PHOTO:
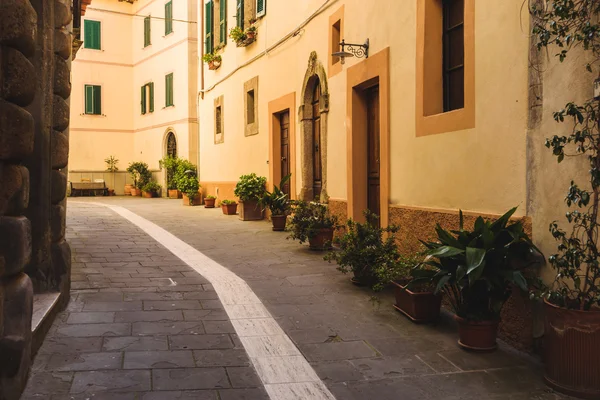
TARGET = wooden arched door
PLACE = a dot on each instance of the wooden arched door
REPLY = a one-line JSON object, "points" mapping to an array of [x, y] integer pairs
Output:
{"points": [[316, 150], [171, 145]]}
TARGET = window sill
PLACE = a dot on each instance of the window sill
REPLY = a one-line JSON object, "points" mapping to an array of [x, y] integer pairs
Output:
{"points": [[166, 35], [145, 47], [450, 121], [170, 106], [92, 115], [94, 50]]}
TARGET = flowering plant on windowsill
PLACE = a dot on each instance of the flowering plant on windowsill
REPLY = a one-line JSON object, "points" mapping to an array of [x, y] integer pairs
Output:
{"points": [[212, 59], [243, 38]]}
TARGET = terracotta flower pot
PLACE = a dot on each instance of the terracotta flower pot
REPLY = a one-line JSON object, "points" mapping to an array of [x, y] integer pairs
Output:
{"points": [[229, 209], [279, 222], [477, 335], [213, 65], [209, 203], [250, 211], [174, 194], [572, 351], [321, 240], [128, 188], [195, 202], [147, 195], [136, 192], [111, 192], [418, 306]]}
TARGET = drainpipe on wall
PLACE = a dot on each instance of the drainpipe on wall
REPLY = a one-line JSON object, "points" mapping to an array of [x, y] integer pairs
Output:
{"points": [[200, 95]]}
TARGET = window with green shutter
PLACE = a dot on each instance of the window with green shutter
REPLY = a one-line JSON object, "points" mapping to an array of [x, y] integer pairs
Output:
{"points": [[91, 34], [169, 90], [261, 8], [143, 100], [147, 41], [223, 22], [151, 90], [239, 16], [147, 98], [169, 17], [208, 16], [93, 100]]}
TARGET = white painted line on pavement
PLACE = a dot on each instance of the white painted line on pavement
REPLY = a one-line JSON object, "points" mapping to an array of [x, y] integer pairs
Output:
{"points": [[285, 373]]}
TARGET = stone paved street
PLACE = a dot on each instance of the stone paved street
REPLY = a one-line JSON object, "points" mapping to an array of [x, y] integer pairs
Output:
{"points": [[142, 324]]}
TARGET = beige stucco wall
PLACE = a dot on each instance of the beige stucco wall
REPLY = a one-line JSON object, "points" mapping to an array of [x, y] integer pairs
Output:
{"points": [[481, 169], [122, 67]]}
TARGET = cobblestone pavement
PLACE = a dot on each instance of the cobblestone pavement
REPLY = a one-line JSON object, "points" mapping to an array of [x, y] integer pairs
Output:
{"points": [[131, 332]]}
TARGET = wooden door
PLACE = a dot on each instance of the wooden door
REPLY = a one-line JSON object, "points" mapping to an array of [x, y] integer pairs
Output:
{"points": [[373, 151], [317, 166], [284, 121]]}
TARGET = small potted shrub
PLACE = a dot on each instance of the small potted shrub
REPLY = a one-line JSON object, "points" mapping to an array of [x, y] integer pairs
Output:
{"points": [[213, 60], [312, 222], [140, 174], [170, 165], [364, 252], [249, 190], [251, 34], [111, 166], [238, 36], [150, 189], [278, 203], [418, 301], [209, 201], [229, 207], [477, 271], [189, 186]]}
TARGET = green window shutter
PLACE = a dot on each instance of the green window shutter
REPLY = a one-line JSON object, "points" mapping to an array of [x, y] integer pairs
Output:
{"points": [[89, 99], [261, 8], [168, 17], [151, 87], [223, 22], [239, 16], [169, 90], [97, 100], [147, 32], [91, 34], [208, 17], [143, 99]]}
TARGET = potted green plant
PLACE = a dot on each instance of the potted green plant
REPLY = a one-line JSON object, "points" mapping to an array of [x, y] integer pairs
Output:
{"points": [[572, 302], [238, 35], [477, 270], [229, 207], [188, 185], [150, 189], [365, 252], [170, 165], [209, 201], [140, 174], [213, 60], [249, 190], [278, 203], [312, 222], [111, 166], [251, 34], [418, 301]]}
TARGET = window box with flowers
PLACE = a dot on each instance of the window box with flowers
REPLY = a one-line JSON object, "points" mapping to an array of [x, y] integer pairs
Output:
{"points": [[244, 37], [213, 60]]}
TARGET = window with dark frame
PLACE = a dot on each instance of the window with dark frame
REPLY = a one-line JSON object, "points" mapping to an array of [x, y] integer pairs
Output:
{"points": [[93, 99], [336, 37], [169, 17], [147, 31], [250, 117], [454, 54], [218, 118]]}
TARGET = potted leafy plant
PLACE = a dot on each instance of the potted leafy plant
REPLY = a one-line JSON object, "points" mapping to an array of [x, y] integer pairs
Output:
{"points": [[312, 222], [170, 165], [238, 36], [251, 34], [418, 301], [249, 190], [229, 207], [278, 203], [140, 174], [477, 270], [572, 303], [365, 252], [209, 201], [111, 166], [188, 185], [213, 60], [150, 189]]}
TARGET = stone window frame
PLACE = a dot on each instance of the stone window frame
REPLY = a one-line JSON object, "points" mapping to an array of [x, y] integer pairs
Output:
{"points": [[219, 41], [430, 116], [219, 102], [334, 67], [251, 129]]}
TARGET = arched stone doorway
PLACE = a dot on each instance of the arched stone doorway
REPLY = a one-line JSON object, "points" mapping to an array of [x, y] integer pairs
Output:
{"points": [[171, 145], [313, 114]]}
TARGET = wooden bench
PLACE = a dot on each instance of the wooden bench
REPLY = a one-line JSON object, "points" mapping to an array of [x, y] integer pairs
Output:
{"points": [[96, 188]]}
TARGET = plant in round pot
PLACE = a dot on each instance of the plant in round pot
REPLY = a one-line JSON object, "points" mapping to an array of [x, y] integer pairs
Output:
{"points": [[229, 207], [238, 35], [249, 190], [170, 165], [151, 189], [140, 174], [364, 252], [416, 300], [476, 270], [213, 60], [189, 186], [209, 201], [572, 303], [278, 203], [312, 222]]}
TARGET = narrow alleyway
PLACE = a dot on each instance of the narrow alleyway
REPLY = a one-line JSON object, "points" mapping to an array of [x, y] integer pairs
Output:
{"points": [[145, 324]]}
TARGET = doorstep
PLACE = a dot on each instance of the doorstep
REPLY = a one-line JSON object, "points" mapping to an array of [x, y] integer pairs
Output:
{"points": [[45, 308]]}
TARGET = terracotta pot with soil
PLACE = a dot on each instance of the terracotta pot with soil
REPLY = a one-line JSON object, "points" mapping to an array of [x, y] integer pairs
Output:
{"points": [[478, 336], [321, 240], [195, 202], [229, 209], [147, 195], [174, 194], [572, 351], [209, 202], [128, 188], [279, 222], [419, 305], [250, 211], [136, 192], [111, 192]]}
